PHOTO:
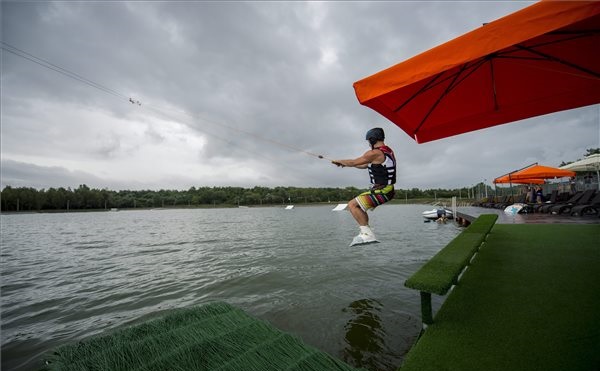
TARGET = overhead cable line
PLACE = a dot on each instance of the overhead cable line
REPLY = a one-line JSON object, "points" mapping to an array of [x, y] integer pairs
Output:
{"points": [[44, 63]]}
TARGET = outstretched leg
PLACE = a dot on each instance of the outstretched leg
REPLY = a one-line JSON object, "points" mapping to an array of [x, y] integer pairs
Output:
{"points": [[366, 234], [358, 213]]}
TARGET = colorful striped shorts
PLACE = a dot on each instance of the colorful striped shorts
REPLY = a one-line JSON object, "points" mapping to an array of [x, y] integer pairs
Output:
{"points": [[373, 198]]}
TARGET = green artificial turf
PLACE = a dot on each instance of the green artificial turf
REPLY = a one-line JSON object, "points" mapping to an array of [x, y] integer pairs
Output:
{"points": [[529, 301], [442, 270], [216, 336], [483, 224]]}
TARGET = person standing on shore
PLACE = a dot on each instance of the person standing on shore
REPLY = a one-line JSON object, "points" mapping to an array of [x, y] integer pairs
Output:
{"points": [[381, 163], [539, 195]]}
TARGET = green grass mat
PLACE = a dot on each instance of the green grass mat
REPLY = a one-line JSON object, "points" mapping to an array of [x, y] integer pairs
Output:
{"points": [[441, 271], [216, 336], [530, 301]]}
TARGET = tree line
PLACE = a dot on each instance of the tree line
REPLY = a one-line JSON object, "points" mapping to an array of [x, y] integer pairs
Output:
{"points": [[84, 197]]}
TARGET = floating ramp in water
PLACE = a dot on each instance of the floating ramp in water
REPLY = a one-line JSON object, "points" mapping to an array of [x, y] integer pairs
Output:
{"points": [[213, 336], [289, 207], [340, 207]]}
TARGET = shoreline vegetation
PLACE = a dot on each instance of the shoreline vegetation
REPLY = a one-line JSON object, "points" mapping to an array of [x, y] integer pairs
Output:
{"points": [[83, 198], [419, 201]]}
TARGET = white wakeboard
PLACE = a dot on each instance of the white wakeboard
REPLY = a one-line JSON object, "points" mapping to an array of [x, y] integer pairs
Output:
{"points": [[340, 207], [359, 241]]}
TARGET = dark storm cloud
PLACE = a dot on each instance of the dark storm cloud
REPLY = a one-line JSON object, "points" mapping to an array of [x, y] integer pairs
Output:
{"points": [[243, 85]]}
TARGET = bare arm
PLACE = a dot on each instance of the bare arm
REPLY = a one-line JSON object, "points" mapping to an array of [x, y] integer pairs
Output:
{"points": [[372, 156]]}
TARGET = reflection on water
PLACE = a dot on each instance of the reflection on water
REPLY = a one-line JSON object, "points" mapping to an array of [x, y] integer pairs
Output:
{"points": [[366, 338]]}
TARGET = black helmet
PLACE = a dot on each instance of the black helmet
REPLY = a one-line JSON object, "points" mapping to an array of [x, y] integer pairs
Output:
{"points": [[375, 135]]}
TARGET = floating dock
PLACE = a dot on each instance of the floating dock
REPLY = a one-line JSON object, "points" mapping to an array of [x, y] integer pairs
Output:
{"points": [[215, 336]]}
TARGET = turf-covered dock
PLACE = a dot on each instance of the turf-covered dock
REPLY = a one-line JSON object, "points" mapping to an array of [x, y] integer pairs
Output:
{"points": [[529, 301], [216, 336]]}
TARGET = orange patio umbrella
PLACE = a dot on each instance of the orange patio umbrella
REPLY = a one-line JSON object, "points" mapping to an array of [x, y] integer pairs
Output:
{"points": [[507, 179], [541, 59], [536, 172]]}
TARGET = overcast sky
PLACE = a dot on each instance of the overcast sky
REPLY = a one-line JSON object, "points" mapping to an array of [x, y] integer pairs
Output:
{"points": [[240, 94]]}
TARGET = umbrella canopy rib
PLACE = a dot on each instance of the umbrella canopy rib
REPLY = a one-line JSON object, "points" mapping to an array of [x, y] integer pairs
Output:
{"points": [[559, 60], [425, 87], [493, 84], [439, 99]]}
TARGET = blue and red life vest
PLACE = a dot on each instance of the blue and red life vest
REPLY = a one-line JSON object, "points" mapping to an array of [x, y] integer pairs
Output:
{"points": [[384, 173]]}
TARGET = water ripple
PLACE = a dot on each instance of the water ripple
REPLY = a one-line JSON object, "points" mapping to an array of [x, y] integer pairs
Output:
{"points": [[69, 276]]}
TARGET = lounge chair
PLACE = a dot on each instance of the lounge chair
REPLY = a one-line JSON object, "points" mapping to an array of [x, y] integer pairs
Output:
{"points": [[493, 201], [551, 200], [508, 200], [481, 202], [527, 207], [563, 197], [574, 198], [592, 208], [585, 198]]}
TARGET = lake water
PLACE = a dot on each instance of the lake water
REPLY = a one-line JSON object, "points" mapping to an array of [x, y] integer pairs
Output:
{"points": [[69, 276]]}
